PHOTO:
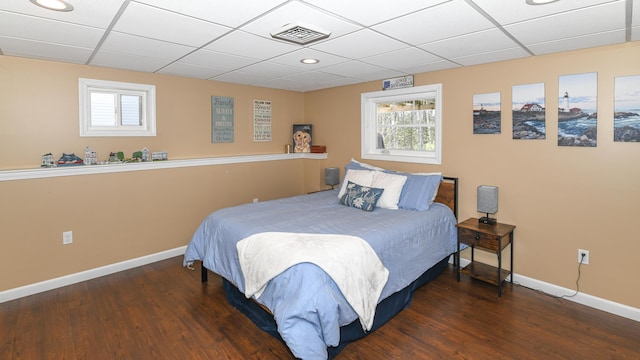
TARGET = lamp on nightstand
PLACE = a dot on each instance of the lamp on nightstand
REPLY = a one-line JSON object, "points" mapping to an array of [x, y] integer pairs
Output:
{"points": [[487, 203], [332, 176]]}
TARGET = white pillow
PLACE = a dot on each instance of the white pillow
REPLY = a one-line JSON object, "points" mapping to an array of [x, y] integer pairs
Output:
{"points": [[392, 185], [360, 177]]}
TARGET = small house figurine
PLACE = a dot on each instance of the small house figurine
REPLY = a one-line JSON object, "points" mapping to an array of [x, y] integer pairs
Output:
{"points": [[48, 161], [145, 154], [90, 156]]}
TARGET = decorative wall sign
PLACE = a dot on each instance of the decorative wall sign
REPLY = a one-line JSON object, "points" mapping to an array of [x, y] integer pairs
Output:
{"points": [[486, 113], [222, 119], [577, 110], [398, 83], [528, 111], [626, 117], [261, 120]]}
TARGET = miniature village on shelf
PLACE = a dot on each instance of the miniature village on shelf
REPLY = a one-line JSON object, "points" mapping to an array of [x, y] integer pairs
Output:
{"points": [[91, 158]]}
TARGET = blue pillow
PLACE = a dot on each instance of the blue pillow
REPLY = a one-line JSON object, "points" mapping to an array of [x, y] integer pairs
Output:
{"points": [[361, 197], [419, 191]]}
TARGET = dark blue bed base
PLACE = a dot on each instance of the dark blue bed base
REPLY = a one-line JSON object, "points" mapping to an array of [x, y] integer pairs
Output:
{"points": [[385, 310]]}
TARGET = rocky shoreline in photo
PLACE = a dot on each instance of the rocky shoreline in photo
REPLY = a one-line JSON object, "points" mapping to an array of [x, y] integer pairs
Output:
{"points": [[626, 134], [587, 139], [522, 130], [486, 122]]}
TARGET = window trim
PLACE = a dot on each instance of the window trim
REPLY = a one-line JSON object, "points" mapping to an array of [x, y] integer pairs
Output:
{"points": [[148, 92], [368, 111]]}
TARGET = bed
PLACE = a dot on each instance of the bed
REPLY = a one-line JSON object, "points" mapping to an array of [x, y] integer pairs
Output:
{"points": [[302, 284]]}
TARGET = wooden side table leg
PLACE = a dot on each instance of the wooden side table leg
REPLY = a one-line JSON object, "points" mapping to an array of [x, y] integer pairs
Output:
{"points": [[457, 262], [511, 266], [499, 267]]}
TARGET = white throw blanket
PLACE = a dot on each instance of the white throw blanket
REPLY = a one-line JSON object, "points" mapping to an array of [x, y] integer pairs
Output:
{"points": [[348, 260]]}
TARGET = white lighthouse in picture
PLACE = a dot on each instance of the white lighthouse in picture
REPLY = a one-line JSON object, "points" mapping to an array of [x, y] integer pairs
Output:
{"points": [[566, 101]]}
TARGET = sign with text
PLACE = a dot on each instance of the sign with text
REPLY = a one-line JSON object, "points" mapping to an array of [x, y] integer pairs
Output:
{"points": [[221, 119], [261, 120], [398, 83]]}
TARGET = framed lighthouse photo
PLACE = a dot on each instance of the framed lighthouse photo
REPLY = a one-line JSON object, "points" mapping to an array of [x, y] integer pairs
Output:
{"points": [[577, 110]]}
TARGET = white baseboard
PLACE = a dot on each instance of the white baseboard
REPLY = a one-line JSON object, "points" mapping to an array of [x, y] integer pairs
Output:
{"points": [[580, 298], [31, 289]]}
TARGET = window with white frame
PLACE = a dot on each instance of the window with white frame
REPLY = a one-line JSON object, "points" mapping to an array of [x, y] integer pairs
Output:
{"points": [[111, 108], [403, 124]]}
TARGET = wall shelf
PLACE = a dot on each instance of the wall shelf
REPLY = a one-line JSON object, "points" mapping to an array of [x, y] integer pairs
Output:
{"points": [[39, 173]]}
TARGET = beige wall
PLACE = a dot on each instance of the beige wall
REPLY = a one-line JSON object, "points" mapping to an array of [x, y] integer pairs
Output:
{"points": [[560, 198], [121, 216]]}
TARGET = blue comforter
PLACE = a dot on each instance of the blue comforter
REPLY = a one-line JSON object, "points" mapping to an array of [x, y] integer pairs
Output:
{"points": [[307, 305]]}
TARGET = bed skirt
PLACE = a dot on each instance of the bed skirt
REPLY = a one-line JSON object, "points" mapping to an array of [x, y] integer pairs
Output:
{"points": [[385, 310]]}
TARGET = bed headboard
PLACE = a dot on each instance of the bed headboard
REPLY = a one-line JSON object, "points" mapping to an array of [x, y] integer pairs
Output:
{"points": [[448, 193]]}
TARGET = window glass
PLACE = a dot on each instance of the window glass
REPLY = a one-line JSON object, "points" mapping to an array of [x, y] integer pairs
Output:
{"points": [[403, 125], [110, 108]]}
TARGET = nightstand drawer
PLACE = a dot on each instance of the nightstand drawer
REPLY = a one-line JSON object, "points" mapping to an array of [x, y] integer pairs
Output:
{"points": [[474, 238]]}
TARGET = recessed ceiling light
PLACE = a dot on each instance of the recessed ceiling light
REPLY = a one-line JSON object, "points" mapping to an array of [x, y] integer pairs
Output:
{"points": [[57, 5], [309, 61], [540, 2]]}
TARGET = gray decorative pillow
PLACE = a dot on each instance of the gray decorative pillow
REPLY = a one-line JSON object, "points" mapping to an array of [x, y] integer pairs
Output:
{"points": [[361, 197]]}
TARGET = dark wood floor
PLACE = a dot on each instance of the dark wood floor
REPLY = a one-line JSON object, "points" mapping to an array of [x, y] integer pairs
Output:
{"points": [[162, 311]]}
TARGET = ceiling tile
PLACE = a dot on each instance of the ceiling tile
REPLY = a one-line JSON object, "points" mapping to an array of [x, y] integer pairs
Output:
{"points": [[435, 23], [86, 12], [373, 11], [578, 42], [58, 32], [249, 45], [359, 44], [42, 50], [240, 77], [189, 70], [230, 13], [351, 68], [136, 45], [432, 66], [270, 69], [401, 58], [508, 11], [127, 61], [610, 16], [380, 75], [492, 56], [216, 59], [151, 22], [469, 44]]}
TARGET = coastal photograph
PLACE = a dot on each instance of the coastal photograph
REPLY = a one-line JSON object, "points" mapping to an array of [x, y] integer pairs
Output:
{"points": [[486, 113], [528, 111], [626, 118], [577, 110]]}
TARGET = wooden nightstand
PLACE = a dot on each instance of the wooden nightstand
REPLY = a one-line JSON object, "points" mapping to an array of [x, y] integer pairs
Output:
{"points": [[493, 238]]}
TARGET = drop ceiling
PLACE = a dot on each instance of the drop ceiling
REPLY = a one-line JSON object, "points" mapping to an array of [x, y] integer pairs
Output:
{"points": [[230, 41]]}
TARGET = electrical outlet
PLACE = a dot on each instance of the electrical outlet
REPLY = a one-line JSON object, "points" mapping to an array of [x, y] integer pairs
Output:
{"points": [[255, 200], [67, 237], [583, 256]]}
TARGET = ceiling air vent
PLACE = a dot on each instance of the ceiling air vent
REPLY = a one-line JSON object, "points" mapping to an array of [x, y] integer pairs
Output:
{"points": [[300, 34]]}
